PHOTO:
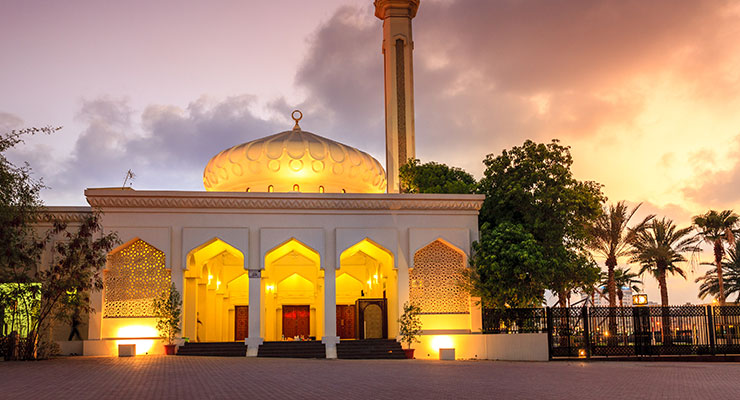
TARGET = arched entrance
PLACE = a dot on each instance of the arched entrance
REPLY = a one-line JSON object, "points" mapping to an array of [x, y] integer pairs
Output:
{"points": [[293, 286], [216, 298], [366, 293]]}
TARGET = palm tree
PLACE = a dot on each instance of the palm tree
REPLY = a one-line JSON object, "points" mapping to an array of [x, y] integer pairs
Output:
{"points": [[610, 238], [623, 277], [731, 271], [658, 247], [716, 227]]}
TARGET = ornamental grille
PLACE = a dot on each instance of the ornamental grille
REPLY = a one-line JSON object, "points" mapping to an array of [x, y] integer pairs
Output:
{"points": [[135, 276], [435, 280]]}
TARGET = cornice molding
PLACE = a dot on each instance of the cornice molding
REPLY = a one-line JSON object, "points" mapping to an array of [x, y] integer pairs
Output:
{"points": [[106, 198], [65, 214]]}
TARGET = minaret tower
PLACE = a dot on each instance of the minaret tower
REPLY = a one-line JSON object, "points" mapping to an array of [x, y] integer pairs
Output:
{"points": [[398, 46]]}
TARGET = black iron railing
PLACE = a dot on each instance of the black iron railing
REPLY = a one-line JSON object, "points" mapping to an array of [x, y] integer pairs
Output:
{"points": [[625, 331], [514, 320]]}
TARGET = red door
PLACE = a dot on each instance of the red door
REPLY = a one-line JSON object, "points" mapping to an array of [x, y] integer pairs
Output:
{"points": [[296, 321], [346, 321], [241, 323]]}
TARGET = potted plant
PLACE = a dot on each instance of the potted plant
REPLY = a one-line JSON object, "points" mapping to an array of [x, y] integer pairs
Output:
{"points": [[409, 327], [168, 310]]}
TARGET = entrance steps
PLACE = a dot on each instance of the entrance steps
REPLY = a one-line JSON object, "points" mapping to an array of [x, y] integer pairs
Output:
{"points": [[289, 349], [370, 349], [216, 349]]}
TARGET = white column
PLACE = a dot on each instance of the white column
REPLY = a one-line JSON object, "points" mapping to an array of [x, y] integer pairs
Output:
{"points": [[330, 338], [329, 263], [255, 291]]}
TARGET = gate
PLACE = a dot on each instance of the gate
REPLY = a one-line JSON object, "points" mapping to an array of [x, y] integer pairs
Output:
{"points": [[643, 331]]}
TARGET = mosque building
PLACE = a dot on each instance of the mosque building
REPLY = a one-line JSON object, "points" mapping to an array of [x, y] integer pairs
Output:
{"points": [[296, 236]]}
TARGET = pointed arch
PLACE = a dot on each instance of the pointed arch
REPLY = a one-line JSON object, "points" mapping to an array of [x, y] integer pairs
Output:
{"points": [[435, 282], [135, 274]]}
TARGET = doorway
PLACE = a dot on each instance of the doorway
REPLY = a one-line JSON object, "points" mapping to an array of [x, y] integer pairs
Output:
{"points": [[241, 323], [346, 321], [296, 321]]}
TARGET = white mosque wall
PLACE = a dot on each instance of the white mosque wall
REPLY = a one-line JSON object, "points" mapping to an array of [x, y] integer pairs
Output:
{"points": [[255, 223]]}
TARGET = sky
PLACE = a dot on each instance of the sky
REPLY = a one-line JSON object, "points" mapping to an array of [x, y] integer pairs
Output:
{"points": [[645, 93]]}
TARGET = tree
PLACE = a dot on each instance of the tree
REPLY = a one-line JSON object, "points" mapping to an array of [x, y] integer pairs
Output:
{"points": [[623, 277], [78, 255], [433, 177], [716, 228], [658, 247], [168, 310], [610, 237], [731, 271], [508, 268], [78, 258], [409, 324], [532, 186]]}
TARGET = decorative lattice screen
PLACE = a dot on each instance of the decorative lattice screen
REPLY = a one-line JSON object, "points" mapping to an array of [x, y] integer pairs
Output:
{"points": [[135, 276], [434, 281]]}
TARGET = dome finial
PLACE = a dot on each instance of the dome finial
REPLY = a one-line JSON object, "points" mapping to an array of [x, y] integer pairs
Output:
{"points": [[296, 119]]}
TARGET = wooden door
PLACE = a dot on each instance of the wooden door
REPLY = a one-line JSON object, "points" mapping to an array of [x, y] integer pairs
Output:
{"points": [[346, 321], [241, 323], [296, 321]]}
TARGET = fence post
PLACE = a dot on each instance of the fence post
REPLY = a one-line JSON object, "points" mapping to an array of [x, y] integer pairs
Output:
{"points": [[711, 330], [548, 326], [586, 331]]}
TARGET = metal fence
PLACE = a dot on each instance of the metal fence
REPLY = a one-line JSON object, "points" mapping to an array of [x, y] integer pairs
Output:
{"points": [[515, 320], [625, 331]]}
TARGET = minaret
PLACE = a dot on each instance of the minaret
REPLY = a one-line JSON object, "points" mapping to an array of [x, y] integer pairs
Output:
{"points": [[398, 46]]}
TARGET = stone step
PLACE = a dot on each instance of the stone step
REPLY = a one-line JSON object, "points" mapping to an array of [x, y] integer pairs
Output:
{"points": [[370, 349], [290, 349]]}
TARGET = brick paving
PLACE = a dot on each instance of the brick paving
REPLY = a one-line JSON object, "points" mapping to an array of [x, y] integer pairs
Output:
{"points": [[161, 377]]}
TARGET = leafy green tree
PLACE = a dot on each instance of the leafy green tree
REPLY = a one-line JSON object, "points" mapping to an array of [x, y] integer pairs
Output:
{"points": [[168, 310], [78, 254], [433, 177], [659, 248], [508, 268], [409, 324], [610, 237], [716, 228], [731, 271], [532, 186]]}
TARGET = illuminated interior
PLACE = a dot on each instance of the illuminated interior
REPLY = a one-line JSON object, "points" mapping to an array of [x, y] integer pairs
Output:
{"points": [[215, 284], [293, 282], [294, 161], [366, 271]]}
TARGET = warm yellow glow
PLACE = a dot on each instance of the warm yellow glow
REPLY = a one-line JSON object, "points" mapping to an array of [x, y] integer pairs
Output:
{"points": [[137, 331], [639, 299], [295, 161], [140, 335], [581, 353], [270, 288], [606, 333], [218, 284], [442, 342], [210, 278]]}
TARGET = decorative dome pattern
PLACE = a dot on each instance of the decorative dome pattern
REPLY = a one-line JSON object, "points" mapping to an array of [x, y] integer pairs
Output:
{"points": [[294, 161]]}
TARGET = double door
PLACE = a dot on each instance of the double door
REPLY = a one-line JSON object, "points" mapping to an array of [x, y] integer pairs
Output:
{"points": [[296, 321]]}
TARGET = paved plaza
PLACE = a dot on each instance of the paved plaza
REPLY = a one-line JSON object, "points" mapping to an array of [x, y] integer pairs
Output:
{"points": [[155, 377]]}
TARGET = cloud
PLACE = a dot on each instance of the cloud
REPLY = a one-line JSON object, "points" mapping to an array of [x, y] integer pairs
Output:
{"points": [[167, 147], [9, 121]]}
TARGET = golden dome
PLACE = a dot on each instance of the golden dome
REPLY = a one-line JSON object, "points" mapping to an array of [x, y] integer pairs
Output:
{"points": [[294, 161]]}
